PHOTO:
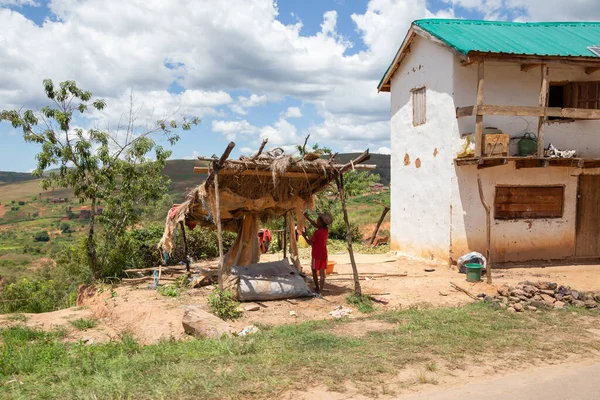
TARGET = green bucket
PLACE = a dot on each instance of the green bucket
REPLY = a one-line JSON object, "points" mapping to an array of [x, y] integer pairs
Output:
{"points": [[473, 272]]}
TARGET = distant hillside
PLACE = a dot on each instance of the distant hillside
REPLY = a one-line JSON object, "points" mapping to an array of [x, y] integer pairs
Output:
{"points": [[13, 177], [381, 160]]}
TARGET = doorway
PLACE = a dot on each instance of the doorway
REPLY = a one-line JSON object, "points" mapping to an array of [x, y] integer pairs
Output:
{"points": [[587, 239]]}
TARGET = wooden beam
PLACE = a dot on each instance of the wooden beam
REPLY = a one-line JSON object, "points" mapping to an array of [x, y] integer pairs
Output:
{"points": [[353, 164], [528, 111], [591, 70], [527, 67], [474, 56], [386, 209], [340, 185], [479, 117], [488, 230], [262, 146], [256, 172], [542, 103], [217, 167]]}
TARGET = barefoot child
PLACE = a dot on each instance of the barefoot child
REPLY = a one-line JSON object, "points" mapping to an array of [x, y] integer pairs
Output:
{"points": [[318, 241]]}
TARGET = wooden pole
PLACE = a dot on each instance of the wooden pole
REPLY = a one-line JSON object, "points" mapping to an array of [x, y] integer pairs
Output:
{"points": [[284, 236], [479, 117], [542, 104], [185, 247], [488, 227], [383, 214], [217, 166], [262, 146], [339, 180]]}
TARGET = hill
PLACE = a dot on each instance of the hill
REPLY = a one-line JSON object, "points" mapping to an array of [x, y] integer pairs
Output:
{"points": [[13, 177], [381, 160]]}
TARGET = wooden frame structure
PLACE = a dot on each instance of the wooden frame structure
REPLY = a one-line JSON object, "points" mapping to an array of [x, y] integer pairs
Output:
{"points": [[260, 186], [542, 111]]}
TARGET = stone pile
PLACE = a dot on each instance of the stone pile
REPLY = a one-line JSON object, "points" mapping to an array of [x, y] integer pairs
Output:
{"points": [[533, 296]]}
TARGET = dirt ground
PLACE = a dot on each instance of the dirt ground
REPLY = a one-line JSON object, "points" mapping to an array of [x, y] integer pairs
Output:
{"points": [[151, 317], [2, 210]]}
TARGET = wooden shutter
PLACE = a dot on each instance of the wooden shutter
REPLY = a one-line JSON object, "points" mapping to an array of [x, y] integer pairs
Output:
{"points": [[528, 202], [586, 95], [419, 102]]}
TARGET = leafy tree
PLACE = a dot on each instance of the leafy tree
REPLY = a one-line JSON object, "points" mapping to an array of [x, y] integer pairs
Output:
{"points": [[122, 170], [41, 236], [314, 149], [65, 227]]}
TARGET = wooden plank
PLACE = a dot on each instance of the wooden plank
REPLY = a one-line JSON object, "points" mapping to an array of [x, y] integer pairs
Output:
{"points": [[254, 172], [515, 202], [588, 217], [591, 70], [527, 67], [479, 117], [528, 111], [465, 111], [542, 103], [475, 56]]}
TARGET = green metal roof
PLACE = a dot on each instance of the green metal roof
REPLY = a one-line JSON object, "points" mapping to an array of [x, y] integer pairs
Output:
{"points": [[555, 39], [563, 39]]}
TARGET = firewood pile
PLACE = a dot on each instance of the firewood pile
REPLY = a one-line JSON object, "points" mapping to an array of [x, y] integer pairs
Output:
{"points": [[533, 296]]}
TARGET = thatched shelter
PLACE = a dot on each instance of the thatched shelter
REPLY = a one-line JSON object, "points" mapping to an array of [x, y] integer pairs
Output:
{"points": [[237, 194]]}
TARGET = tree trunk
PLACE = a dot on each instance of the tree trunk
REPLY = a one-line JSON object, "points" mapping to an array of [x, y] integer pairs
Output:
{"points": [[96, 273], [339, 180]]}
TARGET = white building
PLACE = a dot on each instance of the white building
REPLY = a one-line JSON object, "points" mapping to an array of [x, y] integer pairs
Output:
{"points": [[451, 78]]}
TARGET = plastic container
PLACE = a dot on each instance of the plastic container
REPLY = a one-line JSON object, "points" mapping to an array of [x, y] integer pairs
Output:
{"points": [[527, 144], [329, 270], [473, 272]]}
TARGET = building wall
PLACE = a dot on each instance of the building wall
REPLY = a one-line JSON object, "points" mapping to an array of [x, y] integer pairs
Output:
{"points": [[422, 156], [517, 240]]}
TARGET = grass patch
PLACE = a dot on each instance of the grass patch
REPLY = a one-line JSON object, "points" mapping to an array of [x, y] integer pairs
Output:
{"points": [[364, 304], [258, 366], [223, 304], [18, 317], [83, 324], [169, 291]]}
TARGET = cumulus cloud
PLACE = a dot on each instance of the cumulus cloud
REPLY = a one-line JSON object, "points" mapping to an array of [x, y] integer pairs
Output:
{"points": [[293, 112], [384, 150], [230, 129], [533, 10], [247, 102]]}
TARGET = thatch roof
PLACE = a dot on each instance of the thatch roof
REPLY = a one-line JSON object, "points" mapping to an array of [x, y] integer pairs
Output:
{"points": [[266, 184]]}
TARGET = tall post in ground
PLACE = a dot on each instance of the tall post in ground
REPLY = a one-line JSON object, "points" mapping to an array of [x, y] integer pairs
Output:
{"points": [[339, 180], [217, 166], [488, 227]]}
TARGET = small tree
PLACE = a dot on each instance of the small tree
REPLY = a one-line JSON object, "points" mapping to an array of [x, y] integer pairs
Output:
{"points": [[122, 169], [41, 236]]}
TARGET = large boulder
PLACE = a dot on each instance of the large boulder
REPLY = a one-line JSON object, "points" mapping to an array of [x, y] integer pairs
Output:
{"points": [[204, 325]]}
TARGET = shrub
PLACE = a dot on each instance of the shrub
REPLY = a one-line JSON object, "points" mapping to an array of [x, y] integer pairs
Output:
{"points": [[21, 203], [169, 291], [65, 227], [337, 230], [223, 304], [36, 296], [41, 236]]}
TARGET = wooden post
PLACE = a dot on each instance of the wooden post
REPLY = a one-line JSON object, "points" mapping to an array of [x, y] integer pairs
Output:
{"points": [[339, 180], [479, 117], [294, 244], [185, 247], [385, 211], [488, 227], [284, 236], [542, 103], [217, 165], [262, 146]]}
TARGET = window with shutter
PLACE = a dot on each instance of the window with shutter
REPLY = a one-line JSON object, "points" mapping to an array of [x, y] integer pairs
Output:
{"points": [[419, 103], [587, 95], [528, 202]]}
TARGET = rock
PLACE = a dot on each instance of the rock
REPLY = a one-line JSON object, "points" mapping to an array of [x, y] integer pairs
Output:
{"points": [[204, 325], [532, 308], [575, 295], [252, 307], [518, 307], [530, 291], [558, 296], [503, 291], [597, 297], [588, 297], [514, 299], [481, 295], [523, 298], [510, 309], [567, 298], [547, 299], [248, 330], [546, 285], [590, 304], [537, 297], [548, 292], [293, 313], [495, 306], [538, 304], [517, 292], [502, 305], [488, 299], [578, 303], [559, 305]]}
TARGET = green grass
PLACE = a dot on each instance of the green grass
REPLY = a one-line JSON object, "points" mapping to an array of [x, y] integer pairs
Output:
{"points": [[364, 304], [259, 366], [83, 324]]}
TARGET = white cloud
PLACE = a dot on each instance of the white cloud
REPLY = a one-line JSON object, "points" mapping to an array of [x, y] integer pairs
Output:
{"points": [[230, 129], [533, 10], [384, 150], [19, 3], [12, 132], [293, 112], [246, 151]]}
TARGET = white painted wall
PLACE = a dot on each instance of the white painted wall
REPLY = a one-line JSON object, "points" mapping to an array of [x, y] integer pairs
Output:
{"points": [[436, 211], [421, 195]]}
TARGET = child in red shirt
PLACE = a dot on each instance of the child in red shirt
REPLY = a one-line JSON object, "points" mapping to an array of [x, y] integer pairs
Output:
{"points": [[318, 241]]}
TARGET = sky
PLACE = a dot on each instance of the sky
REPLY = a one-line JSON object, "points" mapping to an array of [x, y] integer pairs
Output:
{"points": [[250, 69]]}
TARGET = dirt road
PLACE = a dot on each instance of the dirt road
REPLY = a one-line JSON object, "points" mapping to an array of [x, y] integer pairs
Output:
{"points": [[561, 382]]}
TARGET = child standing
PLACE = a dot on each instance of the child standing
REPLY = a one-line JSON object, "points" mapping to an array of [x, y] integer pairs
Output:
{"points": [[318, 241]]}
